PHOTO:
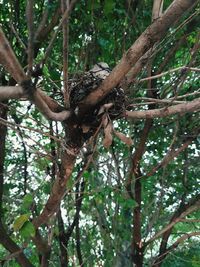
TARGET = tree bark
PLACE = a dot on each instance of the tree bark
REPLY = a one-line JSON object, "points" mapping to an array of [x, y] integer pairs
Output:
{"points": [[164, 112], [137, 246], [148, 38], [5, 239], [58, 190]]}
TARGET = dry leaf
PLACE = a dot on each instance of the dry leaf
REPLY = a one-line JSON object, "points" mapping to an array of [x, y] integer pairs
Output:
{"points": [[105, 121], [108, 135], [108, 106], [104, 108], [85, 128], [101, 110], [127, 140]]}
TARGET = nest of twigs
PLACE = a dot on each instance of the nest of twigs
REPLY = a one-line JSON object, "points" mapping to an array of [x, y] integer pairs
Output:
{"points": [[99, 116], [82, 85]]}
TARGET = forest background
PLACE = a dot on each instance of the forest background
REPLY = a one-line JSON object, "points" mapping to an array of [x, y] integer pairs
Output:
{"points": [[122, 193]]}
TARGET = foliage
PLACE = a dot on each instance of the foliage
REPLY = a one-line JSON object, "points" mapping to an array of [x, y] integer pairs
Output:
{"points": [[103, 232]]}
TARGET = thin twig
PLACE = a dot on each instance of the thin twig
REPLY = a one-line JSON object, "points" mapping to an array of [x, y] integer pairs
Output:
{"points": [[18, 37], [65, 26], [30, 24], [65, 16], [169, 71]]}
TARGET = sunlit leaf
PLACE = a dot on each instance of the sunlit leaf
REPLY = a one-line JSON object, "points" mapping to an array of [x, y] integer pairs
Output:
{"points": [[27, 201], [20, 221], [27, 230]]}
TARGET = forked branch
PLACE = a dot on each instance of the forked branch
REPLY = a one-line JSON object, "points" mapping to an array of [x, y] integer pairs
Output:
{"points": [[11, 63], [147, 39]]}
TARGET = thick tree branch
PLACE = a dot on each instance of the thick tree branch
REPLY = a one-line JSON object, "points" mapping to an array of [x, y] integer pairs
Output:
{"points": [[11, 92], [132, 74], [58, 190], [17, 92], [43, 102], [164, 112], [47, 112], [10, 62], [148, 38]]}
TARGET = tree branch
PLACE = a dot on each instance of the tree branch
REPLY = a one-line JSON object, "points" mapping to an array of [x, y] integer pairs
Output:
{"points": [[58, 189], [11, 246], [157, 9], [5, 239], [43, 31], [159, 259], [9, 60], [173, 153], [147, 39], [65, 28], [11, 92], [169, 71], [30, 24], [192, 206], [11, 63], [64, 17], [164, 112]]}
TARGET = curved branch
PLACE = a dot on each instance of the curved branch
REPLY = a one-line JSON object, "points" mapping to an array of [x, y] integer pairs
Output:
{"points": [[58, 190], [9, 60], [147, 39], [64, 17], [164, 112], [183, 68], [47, 112], [183, 238], [43, 30], [11, 246], [11, 63], [44, 103], [171, 154], [11, 92], [159, 259], [5, 239], [192, 206]]}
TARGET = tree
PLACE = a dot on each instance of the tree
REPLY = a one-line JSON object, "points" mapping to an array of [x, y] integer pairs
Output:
{"points": [[99, 176]]}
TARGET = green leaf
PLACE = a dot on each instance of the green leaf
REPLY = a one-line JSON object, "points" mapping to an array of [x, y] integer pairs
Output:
{"points": [[131, 203], [27, 230], [86, 174], [109, 6], [55, 75], [46, 188], [46, 71], [20, 221], [93, 4], [27, 201]]}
